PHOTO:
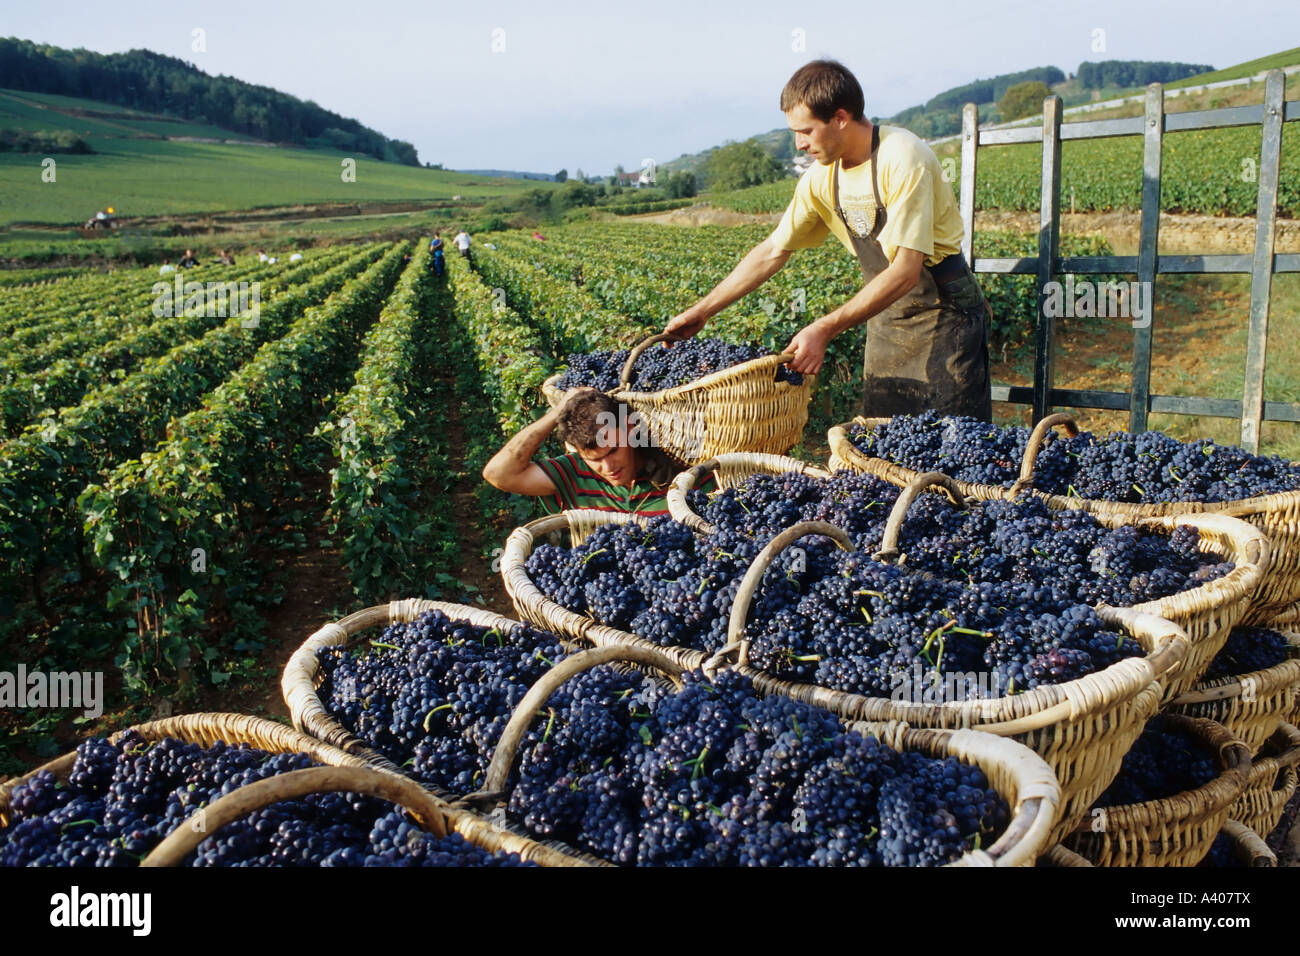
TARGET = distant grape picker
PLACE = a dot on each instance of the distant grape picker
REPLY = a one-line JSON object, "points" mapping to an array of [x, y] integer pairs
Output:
{"points": [[881, 191], [616, 468]]}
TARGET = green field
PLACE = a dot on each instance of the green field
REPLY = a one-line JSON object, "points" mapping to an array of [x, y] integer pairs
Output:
{"points": [[139, 173]]}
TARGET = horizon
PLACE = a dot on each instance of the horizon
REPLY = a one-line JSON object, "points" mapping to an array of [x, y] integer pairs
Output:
{"points": [[556, 66]]}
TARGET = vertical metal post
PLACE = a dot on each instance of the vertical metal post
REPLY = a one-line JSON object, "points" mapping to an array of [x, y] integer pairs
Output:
{"points": [[1049, 246], [970, 140], [1152, 141], [1261, 271]]}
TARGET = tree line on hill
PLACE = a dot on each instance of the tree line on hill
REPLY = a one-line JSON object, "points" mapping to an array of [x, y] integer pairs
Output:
{"points": [[941, 114], [143, 80]]}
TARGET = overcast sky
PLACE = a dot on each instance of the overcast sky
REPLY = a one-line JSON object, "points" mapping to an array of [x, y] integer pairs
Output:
{"points": [[544, 86]]}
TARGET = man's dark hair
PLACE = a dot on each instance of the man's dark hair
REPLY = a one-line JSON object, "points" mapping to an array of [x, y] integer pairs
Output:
{"points": [[584, 416], [824, 86]]}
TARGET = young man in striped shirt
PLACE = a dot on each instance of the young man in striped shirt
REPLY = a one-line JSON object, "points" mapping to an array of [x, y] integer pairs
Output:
{"points": [[615, 469]]}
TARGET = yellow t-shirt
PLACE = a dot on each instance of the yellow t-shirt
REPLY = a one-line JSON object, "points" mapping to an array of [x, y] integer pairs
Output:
{"points": [[923, 213]]}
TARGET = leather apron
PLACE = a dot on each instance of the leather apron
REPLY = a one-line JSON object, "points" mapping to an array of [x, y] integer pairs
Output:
{"points": [[929, 349]]}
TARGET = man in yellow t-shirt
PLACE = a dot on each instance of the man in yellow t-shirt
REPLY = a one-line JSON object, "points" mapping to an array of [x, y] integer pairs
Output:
{"points": [[881, 192]]}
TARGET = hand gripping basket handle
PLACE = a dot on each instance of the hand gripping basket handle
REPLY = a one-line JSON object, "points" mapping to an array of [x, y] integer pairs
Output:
{"points": [[626, 375], [754, 576], [1035, 443], [289, 786], [507, 748], [889, 544]]}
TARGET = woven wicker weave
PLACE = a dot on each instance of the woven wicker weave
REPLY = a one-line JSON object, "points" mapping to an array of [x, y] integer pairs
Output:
{"points": [[1019, 776], [1178, 830], [208, 728], [1060, 856], [1082, 728], [1251, 705], [742, 408], [1276, 515], [1272, 782]]}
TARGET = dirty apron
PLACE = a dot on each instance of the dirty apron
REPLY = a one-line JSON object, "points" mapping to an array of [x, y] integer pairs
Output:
{"points": [[929, 349]]}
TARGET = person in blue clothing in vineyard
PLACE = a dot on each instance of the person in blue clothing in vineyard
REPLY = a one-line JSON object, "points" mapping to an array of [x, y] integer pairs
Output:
{"points": [[881, 191], [436, 247]]}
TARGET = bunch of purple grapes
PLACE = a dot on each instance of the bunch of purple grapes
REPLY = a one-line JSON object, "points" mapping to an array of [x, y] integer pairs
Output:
{"points": [[433, 695], [661, 368], [122, 799], [1149, 467], [713, 775]]}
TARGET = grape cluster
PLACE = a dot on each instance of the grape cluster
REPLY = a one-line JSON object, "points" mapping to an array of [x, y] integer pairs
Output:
{"points": [[714, 775], [1148, 467], [999, 591], [121, 799], [434, 694], [661, 368], [339, 830], [1164, 761], [1248, 649]]}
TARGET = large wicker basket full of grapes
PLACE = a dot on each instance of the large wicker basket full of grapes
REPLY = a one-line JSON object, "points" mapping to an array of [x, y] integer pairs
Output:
{"points": [[1081, 727], [1272, 782], [302, 677], [1177, 829], [729, 777], [1206, 612], [753, 406], [103, 803], [1229, 480], [1251, 687]]}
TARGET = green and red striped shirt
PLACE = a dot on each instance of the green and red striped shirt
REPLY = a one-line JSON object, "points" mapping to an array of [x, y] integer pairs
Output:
{"points": [[577, 486]]}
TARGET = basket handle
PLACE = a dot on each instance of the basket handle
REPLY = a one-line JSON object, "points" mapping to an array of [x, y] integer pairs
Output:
{"points": [[754, 576], [626, 375], [889, 544], [289, 786], [1035, 443], [685, 482], [503, 758]]}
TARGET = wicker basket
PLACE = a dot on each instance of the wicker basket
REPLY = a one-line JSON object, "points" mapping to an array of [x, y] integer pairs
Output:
{"points": [[1081, 728], [1175, 831], [301, 677], [1276, 515], [1206, 613], [1272, 782], [208, 728], [742, 408], [1018, 775], [1252, 705], [1061, 856]]}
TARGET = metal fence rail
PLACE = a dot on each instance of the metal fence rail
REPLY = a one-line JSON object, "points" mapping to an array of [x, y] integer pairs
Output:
{"points": [[1261, 265]]}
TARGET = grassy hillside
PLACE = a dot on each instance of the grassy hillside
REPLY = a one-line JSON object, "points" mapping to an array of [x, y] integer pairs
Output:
{"points": [[139, 171], [1250, 68]]}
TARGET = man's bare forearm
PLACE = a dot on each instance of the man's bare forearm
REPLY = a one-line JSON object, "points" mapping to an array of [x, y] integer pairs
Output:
{"points": [[880, 293], [517, 454]]}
